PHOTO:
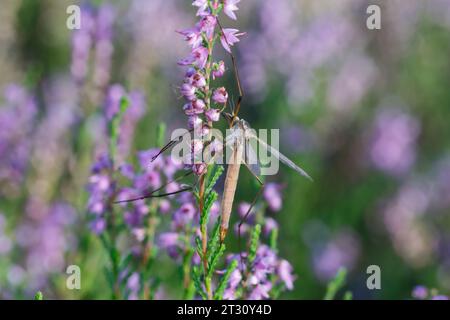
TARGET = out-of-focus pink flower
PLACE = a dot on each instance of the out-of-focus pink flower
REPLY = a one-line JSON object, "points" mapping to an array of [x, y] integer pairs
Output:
{"points": [[272, 195], [168, 239], [230, 37], [243, 208], [220, 95], [420, 292], [393, 145], [269, 225], [229, 6], [284, 271]]}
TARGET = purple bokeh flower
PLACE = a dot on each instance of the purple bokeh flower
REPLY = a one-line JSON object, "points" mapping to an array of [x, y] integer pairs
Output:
{"points": [[392, 149]]}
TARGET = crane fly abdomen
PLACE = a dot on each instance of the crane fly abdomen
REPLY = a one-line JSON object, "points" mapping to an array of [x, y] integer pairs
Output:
{"points": [[230, 190]]}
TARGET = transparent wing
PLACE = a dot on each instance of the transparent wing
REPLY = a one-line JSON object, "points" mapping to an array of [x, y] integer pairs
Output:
{"points": [[251, 158], [281, 157]]}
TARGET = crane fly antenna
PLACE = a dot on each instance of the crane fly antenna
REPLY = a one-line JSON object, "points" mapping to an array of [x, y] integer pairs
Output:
{"points": [[236, 75]]}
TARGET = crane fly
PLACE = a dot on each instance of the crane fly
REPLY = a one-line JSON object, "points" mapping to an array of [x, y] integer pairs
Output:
{"points": [[242, 152], [240, 141]]}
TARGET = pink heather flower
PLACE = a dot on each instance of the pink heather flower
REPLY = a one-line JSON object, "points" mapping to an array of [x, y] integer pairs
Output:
{"points": [[269, 225], [273, 196], [440, 297], [202, 130], [202, 7], [188, 91], [212, 114], [194, 122], [197, 146], [218, 70], [192, 36], [164, 206], [216, 146], [243, 209], [261, 291], [168, 239], [194, 107], [420, 292], [197, 80], [198, 57], [199, 168], [220, 95], [207, 25], [229, 38], [229, 6], [190, 72], [284, 271]]}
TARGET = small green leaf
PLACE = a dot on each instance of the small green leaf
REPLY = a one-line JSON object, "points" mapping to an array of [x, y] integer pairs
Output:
{"points": [[254, 241], [198, 283], [348, 295], [336, 284], [214, 239], [39, 296], [224, 280], [198, 242], [114, 127], [218, 170], [214, 259], [209, 201], [273, 240], [161, 134]]}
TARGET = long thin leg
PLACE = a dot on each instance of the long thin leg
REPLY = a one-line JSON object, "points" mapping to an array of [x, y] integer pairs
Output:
{"points": [[170, 144], [236, 74], [152, 194], [244, 219]]}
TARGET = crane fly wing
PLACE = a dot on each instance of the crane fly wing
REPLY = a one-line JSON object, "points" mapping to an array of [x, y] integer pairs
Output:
{"points": [[251, 158], [281, 157]]}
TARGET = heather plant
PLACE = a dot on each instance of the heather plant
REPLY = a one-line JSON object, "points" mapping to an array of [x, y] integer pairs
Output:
{"points": [[193, 240]]}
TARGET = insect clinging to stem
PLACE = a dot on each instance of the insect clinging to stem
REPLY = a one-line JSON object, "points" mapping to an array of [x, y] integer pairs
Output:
{"points": [[239, 140]]}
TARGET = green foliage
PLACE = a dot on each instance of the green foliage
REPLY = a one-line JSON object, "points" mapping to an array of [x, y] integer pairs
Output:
{"points": [[254, 242], [336, 284], [197, 278], [217, 172], [39, 296], [161, 134], [114, 127], [224, 280], [215, 255]]}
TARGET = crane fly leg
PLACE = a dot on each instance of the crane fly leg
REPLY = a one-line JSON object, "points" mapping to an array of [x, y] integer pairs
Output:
{"points": [[237, 78], [244, 219], [170, 144], [153, 195]]}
